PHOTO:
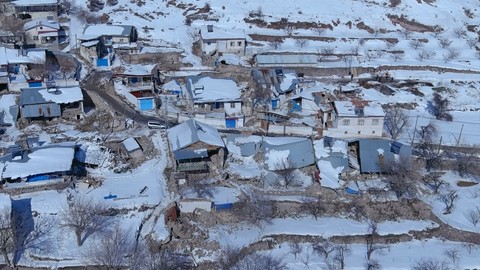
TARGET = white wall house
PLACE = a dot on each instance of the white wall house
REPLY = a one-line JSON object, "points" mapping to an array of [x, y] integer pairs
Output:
{"points": [[217, 41], [215, 97], [42, 32], [357, 119]]}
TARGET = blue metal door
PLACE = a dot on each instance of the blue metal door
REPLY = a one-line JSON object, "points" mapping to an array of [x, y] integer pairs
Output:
{"points": [[103, 62], [274, 104], [231, 123]]}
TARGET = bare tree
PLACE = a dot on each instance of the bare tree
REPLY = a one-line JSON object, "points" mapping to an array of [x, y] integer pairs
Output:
{"points": [[459, 32], [301, 42], [400, 176], [451, 54], [255, 261], [84, 216], [113, 250], [305, 259], [415, 44], [389, 45], [67, 65], [276, 44], [289, 30], [453, 254], [229, 257], [473, 215], [373, 246], [324, 52], [396, 120], [467, 164], [260, 96], [163, 259], [397, 56], [10, 24], [449, 200], [444, 42], [257, 209], [435, 181], [202, 188], [287, 175], [341, 251], [320, 31], [427, 133], [431, 154], [295, 248], [369, 54], [424, 55], [439, 107], [324, 248], [315, 207], [37, 72], [354, 50], [7, 237], [472, 42], [406, 33], [431, 264]]}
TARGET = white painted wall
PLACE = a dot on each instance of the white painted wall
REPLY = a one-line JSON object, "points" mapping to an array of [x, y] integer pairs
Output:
{"points": [[371, 127]]}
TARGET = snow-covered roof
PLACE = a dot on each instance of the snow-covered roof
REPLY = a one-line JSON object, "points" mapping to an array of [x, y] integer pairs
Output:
{"points": [[48, 159], [285, 59], [62, 95], [12, 56], [35, 2], [90, 43], [348, 109], [7, 104], [190, 132], [136, 70], [206, 89], [41, 22], [220, 33], [37, 56], [107, 30], [131, 144]]}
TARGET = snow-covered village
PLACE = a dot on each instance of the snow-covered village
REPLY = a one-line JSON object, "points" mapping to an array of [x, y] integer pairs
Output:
{"points": [[240, 135]]}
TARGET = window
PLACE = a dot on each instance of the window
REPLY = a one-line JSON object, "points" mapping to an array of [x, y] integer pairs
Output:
{"points": [[209, 43], [121, 40], [35, 37], [239, 43], [360, 122], [346, 132], [232, 105], [359, 132], [375, 122], [373, 131], [232, 43], [346, 122]]}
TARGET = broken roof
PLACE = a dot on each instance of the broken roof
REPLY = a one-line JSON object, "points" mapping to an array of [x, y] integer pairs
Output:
{"points": [[348, 109], [206, 89], [220, 33], [192, 131]]}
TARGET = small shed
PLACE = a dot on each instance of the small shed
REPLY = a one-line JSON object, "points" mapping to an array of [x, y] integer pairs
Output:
{"points": [[132, 147], [192, 204]]}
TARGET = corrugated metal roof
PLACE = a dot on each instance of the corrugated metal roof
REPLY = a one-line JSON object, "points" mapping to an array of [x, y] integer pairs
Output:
{"points": [[41, 110], [301, 153], [30, 96], [190, 154], [369, 154]]}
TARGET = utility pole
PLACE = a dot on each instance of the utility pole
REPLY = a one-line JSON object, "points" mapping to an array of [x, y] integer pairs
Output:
{"points": [[460, 136], [166, 112], [414, 131], [440, 144]]}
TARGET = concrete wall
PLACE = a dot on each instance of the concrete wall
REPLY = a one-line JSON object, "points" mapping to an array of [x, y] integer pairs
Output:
{"points": [[356, 128]]}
